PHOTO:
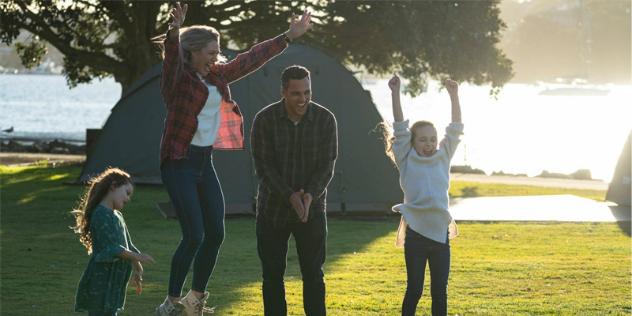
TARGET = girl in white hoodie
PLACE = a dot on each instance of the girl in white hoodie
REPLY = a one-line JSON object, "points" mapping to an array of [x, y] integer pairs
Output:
{"points": [[426, 224]]}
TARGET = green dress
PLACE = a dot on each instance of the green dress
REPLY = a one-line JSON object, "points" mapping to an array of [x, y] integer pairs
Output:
{"points": [[102, 287]]}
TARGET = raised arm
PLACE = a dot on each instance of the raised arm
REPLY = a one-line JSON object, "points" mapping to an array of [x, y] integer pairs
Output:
{"points": [[455, 129], [177, 15], [395, 84], [248, 62], [453, 90], [172, 64]]}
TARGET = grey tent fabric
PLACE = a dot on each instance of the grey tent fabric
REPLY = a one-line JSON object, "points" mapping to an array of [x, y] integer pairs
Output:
{"points": [[619, 190], [364, 180]]}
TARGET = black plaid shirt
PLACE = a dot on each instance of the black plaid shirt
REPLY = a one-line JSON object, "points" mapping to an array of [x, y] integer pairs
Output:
{"points": [[291, 157]]}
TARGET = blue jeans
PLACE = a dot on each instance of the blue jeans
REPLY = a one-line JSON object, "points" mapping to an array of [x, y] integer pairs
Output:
{"points": [[90, 314], [198, 201], [417, 250], [311, 247]]}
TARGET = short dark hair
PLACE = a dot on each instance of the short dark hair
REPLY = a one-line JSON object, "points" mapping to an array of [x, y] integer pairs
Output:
{"points": [[293, 72]]}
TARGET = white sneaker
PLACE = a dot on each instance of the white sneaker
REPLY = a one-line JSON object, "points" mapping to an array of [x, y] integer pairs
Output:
{"points": [[194, 306], [168, 308]]}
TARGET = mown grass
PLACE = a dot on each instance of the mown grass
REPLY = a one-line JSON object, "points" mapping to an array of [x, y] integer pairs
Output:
{"points": [[497, 268], [475, 189]]}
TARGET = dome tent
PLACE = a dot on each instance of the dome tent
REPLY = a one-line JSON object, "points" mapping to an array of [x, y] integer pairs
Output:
{"points": [[619, 190], [364, 178]]}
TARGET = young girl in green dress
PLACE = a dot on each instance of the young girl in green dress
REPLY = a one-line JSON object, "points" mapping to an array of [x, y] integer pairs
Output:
{"points": [[101, 290]]}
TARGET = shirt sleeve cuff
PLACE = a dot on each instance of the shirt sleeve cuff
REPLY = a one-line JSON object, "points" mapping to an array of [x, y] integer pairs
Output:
{"points": [[171, 43], [455, 128], [400, 129], [108, 254], [287, 194], [400, 126], [280, 40], [133, 248]]}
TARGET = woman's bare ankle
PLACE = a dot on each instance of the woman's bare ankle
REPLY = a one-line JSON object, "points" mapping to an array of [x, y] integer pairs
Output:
{"points": [[198, 294]]}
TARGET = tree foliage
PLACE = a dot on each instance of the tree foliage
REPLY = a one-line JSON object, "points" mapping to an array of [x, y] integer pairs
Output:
{"points": [[563, 39], [418, 39]]}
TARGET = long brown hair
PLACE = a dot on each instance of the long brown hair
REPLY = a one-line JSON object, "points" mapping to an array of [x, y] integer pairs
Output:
{"points": [[192, 38], [389, 138], [98, 188]]}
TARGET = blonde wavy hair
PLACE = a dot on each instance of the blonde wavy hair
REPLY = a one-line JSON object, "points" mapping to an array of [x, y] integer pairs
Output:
{"points": [[192, 38]]}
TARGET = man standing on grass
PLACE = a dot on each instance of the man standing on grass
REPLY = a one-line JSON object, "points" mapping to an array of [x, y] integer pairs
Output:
{"points": [[294, 146]]}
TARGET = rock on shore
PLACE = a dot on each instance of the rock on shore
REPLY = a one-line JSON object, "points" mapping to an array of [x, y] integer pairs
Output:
{"points": [[53, 147]]}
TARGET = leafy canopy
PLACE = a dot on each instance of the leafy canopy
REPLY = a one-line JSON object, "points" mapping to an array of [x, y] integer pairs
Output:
{"points": [[418, 39]]}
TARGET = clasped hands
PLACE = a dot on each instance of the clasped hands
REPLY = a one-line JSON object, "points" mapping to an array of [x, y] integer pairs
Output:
{"points": [[301, 202]]}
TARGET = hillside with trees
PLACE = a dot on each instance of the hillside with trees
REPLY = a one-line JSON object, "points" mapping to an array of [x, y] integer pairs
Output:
{"points": [[545, 40]]}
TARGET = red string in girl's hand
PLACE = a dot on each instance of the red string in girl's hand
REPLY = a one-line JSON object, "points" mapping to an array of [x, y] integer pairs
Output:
{"points": [[138, 287]]}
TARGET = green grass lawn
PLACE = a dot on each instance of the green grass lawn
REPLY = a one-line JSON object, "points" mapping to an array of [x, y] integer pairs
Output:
{"points": [[475, 189], [502, 268]]}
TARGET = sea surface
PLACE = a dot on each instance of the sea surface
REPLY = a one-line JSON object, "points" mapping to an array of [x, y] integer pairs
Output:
{"points": [[521, 132]]}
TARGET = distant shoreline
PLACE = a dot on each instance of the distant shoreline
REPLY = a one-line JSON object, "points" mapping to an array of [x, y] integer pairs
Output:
{"points": [[14, 153], [30, 140], [55, 146], [25, 159]]}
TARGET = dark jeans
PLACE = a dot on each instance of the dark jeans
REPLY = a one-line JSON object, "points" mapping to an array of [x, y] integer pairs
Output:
{"points": [[198, 201], [311, 247], [91, 314], [417, 250]]}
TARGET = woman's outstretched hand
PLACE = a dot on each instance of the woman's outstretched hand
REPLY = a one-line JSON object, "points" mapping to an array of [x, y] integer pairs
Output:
{"points": [[298, 28], [177, 15], [394, 83]]}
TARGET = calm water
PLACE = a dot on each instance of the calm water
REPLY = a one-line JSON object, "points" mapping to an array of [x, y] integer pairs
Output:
{"points": [[42, 106], [521, 132]]}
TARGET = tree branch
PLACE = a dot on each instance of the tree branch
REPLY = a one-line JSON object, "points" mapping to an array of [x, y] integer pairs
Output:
{"points": [[39, 27]]}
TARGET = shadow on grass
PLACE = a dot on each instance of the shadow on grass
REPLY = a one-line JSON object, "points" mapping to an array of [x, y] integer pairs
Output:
{"points": [[238, 270], [623, 215], [469, 192], [22, 182], [37, 238], [626, 227]]}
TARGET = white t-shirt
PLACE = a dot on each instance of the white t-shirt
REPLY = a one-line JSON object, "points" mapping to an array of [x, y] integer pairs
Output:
{"points": [[209, 118]]}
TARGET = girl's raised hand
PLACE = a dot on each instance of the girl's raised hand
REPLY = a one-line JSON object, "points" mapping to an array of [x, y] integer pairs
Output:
{"points": [[452, 87], [178, 15], [394, 83], [298, 28]]}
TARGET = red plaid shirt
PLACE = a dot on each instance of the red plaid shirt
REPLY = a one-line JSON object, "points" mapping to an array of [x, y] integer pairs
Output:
{"points": [[185, 94]]}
